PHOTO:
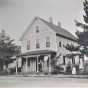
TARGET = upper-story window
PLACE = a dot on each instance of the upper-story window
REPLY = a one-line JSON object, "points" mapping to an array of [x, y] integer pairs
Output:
{"points": [[37, 43], [37, 29], [28, 45], [47, 42], [60, 44]]}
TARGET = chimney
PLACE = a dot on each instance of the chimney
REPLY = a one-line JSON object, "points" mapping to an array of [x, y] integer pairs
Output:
{"points": [[51, 20], [59, 24]]}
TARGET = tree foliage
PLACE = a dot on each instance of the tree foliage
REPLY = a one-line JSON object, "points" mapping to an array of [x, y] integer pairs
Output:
{"points": [[85, 17], [8, 48], [83, 36], [86, 11]]}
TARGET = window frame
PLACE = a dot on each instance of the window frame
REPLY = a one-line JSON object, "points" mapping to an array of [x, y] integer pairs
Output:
{"points": [[37, 43], [28, 44], [60, 44], [47, 42], [37, 29]]}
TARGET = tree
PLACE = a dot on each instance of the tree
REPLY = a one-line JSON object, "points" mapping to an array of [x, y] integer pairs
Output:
{"points": [[83, 36], [79, 24], [8, 49]]}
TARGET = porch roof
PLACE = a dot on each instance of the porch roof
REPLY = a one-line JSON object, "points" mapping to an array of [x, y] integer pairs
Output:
{"points": [[74, 53], [38, 52]]}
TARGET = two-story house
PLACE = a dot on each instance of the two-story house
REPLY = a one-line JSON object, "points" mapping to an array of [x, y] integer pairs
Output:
{"points": [[41, 43]]}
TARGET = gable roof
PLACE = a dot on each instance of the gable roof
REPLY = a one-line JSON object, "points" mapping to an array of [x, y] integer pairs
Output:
{"points": [[59, 30], [28, 28]]}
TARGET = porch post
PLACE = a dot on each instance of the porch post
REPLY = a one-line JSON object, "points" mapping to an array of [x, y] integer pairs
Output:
{"points": [[79, 60], [26, 64], [37, 65], [73, 61], [83, 62], [64, 60], [49, 69], [16, 65]]}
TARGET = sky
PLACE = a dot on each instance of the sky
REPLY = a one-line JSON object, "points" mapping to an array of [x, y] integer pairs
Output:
{"points": [[16, 15]]}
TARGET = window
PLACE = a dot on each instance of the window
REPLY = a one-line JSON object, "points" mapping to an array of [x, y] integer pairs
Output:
{"points": [[37, 29], [28, 45], [47, 42], [59, 44], [37, 43]]}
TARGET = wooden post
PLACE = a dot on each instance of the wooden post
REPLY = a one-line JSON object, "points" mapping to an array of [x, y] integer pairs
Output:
{"points": [[83, 62], [49, 69], [64, 60], [73, 61], [79, 60], [26, 64], [4, 66], [16, 65], [37, 65]]}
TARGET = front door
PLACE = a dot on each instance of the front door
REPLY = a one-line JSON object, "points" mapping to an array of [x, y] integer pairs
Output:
{"points": [[40, 63], [32, 64]]}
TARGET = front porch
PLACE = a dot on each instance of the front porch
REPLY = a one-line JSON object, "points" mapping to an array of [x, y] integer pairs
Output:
{"points": [[36, 62], [74, 63]]}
